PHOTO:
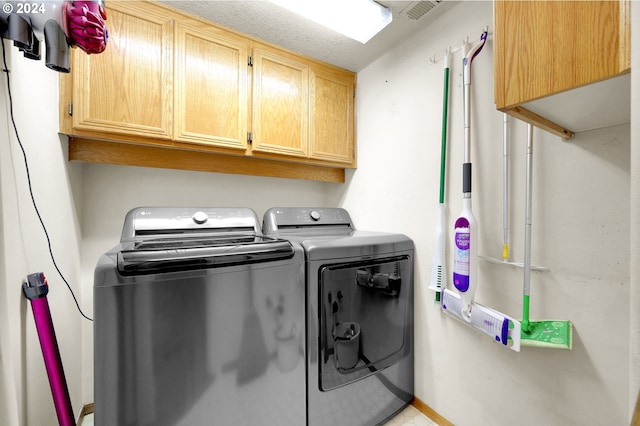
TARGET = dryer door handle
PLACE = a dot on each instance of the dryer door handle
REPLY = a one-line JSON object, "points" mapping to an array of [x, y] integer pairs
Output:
{"points": [[388, 284]]}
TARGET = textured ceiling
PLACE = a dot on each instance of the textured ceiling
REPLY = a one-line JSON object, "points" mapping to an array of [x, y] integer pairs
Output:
{"points": [[269, 22]]}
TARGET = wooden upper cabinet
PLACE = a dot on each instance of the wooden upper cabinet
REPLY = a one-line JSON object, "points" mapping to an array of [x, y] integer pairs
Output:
{"points": [[544, 48], [302, 110], [211, 98], [280, 103], [172, 81], [127, 89], [332, 116]]}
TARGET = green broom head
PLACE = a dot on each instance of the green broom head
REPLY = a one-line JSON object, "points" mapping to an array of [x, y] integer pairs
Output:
{"points": [[554, 334]]}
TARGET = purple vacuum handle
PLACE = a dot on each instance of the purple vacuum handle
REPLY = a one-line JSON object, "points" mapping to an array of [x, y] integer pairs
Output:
{"points": [[35, 289]]}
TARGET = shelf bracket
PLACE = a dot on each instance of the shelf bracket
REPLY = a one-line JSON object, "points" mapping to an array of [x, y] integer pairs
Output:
{"points": [[539, 121]]}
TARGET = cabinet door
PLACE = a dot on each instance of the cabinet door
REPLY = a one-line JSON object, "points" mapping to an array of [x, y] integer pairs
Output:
{"points": [[211, 97], [546, 47], [331, 117], [280, 112], [127, 89]]}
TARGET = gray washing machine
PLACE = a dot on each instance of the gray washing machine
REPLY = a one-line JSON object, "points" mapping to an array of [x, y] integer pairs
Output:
{"points": [[359, 311], [199, 320]]}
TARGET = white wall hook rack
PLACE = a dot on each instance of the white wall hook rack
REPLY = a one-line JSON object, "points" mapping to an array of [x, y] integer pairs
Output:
{"points": [[457, 46]]}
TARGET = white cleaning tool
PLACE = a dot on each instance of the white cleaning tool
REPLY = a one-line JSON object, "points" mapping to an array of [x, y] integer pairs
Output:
{"points": [[465, 263], [500, 327]]}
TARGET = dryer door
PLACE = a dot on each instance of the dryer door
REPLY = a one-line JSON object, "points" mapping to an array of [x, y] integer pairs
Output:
{"points": [[364, 318]]}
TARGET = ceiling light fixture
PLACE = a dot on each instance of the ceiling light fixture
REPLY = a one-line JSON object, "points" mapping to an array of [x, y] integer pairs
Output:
{"points": [[356, 19]]}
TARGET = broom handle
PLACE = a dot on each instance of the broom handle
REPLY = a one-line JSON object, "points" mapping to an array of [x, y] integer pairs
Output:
{"points": [[505, 186], [527, 230], [445, 109]]}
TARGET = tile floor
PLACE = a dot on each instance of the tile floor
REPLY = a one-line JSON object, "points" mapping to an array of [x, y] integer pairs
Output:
{"points": [[410, 416]]}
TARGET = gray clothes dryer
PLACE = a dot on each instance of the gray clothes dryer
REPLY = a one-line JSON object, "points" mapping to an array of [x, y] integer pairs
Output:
{"points": [[359, 313], [199, 320]]}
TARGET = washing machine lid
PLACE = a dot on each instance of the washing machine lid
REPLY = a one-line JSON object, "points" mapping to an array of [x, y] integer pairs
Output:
{"points": [[160, 255], [166, 239]]}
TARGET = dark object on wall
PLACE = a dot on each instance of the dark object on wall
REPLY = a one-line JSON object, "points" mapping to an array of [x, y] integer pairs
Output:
{"points": [[62, 24]]}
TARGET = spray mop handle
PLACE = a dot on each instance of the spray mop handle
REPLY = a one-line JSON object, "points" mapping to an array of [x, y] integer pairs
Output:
{"points": [[505, 186], [35, 286], [466, 178], [470, 56]]}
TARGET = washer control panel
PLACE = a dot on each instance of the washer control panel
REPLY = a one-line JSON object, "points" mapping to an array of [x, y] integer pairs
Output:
{"points": [[145, 222]]}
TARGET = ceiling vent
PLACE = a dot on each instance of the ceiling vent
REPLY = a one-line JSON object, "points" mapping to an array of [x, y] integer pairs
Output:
{"points": [[418, 9]]}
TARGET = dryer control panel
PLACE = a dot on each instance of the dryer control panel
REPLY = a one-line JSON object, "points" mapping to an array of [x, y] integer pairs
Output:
{"points": [[296, 217]]}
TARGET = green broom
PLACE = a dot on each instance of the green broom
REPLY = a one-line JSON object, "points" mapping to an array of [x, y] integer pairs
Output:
{"points": [[555, 334], [438, 268]]}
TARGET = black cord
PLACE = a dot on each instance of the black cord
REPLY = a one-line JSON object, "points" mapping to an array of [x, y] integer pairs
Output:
{"points": [[26, 166]]}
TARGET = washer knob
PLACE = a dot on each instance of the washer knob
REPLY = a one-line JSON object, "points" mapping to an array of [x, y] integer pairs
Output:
{"points": [[200, 217], [315, 215]]}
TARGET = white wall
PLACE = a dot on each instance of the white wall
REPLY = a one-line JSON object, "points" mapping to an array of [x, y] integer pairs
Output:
{"points": [[23, 250], [634, 300], [580, 232]]}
